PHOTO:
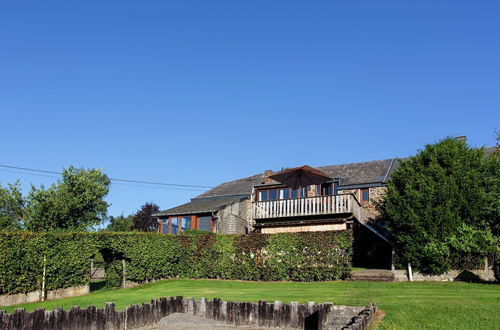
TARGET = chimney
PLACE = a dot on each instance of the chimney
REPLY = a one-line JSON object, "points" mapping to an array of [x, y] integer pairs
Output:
{"points": [[267, 173]]}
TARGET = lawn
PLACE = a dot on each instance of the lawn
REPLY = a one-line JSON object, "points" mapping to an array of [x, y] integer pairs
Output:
{"points": [[443, 305]]}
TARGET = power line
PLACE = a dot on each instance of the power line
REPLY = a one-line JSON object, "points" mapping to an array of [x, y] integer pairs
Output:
{"points": [[112, 179]]}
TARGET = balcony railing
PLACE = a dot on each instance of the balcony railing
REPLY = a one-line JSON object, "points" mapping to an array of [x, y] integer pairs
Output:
{"points": [[320, 205]]}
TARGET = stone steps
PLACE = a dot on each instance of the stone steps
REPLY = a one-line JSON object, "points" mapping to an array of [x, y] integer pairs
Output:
{"points": [[373, 275]]}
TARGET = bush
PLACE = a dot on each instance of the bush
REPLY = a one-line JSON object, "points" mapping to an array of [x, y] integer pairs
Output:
{"points": [[496, 266], [66, 257], [149, 256]]}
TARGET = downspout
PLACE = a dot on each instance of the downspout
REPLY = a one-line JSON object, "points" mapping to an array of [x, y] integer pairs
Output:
{"points": [[215, 223]]}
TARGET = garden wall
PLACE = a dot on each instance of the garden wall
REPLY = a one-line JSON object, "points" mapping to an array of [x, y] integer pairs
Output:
{"points": [[32, 261], [23, 298], [262, 314], [453, 275]]}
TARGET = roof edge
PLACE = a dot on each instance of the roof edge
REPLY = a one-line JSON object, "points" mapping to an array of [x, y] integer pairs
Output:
{"points": [[210, 198]]}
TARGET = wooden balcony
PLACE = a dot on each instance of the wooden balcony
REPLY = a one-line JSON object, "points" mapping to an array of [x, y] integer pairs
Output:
{"points": [[310, 206]]}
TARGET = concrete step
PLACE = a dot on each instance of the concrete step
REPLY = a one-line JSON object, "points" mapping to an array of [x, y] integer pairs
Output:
{"points": [[374, 275]]}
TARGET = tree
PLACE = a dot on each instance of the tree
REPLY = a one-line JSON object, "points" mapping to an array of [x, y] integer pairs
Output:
{"points": [[76, 203], [441, 207], [120, 223], [143, 219], [12, 207]]}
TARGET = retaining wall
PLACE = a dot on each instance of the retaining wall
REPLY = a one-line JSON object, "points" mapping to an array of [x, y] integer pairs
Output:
{"points": [[23, 298], [453, 275], [294, 315]]}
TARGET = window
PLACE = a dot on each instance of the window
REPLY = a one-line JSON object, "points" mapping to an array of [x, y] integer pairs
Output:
{"points": [[164, 226], [284, 193], [365, 195], [272, 195], [175, 225], [327, 189], [186, 223], [268, 195], [204, 223]]}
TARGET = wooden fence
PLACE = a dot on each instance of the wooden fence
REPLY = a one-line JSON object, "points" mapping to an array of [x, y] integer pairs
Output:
{"points": [[263, 314], [319, 205]]}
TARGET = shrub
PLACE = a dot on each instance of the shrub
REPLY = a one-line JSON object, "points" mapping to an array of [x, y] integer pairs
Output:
{"points": [[496, 266]]}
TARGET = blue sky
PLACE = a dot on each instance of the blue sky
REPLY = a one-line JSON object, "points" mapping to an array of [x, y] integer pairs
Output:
{"points": [[202, 92]]}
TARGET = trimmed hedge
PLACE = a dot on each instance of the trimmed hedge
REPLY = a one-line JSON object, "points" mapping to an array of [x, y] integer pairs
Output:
{"points": [[496, 266], [314, 256]]}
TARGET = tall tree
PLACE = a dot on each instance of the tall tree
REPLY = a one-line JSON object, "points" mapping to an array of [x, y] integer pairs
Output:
{"points": [[441, 208], [143, 219], [12, 207], [120, 223], [76, 202]]}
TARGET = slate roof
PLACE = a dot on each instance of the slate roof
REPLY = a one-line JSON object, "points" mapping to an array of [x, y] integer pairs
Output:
{"points": [[198, 207], [349, 174], [377, 171], [235, 187]]}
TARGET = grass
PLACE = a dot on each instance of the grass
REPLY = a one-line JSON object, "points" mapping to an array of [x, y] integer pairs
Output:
{"points": [[415, 305]]}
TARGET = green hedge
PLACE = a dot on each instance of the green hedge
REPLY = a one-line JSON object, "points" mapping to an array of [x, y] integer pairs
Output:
{"points": [[311, 256]]}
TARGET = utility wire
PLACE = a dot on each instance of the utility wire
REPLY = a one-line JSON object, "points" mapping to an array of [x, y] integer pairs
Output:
{"points": [[119, 180]]}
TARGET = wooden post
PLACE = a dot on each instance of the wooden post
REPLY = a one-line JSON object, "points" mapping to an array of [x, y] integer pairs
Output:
{"points": [[43, 277], [124, 277], [410, 274]]}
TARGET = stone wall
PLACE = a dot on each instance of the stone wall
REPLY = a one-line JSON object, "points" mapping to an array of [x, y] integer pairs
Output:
{"points": [[263, 314], [235, 218], [453, 275], [23, 298], [370, 213], [369, 208]]}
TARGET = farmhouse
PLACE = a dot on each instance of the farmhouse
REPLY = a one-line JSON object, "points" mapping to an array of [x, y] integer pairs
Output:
{"points": [[346, 196]]}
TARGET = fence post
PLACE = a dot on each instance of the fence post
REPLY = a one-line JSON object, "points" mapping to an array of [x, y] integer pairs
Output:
{"points": [[124, 278], [43, 278], [410, 273]]}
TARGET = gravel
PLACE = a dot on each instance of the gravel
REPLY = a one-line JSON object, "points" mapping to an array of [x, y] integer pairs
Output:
{"points": [[190, 322]]}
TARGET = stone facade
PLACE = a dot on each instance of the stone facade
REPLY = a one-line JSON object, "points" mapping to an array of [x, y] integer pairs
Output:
{"points": [[235, 218], [376, 194]]}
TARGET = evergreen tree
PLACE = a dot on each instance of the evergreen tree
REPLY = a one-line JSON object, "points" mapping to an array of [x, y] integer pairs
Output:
{"points": [[442, 207]]}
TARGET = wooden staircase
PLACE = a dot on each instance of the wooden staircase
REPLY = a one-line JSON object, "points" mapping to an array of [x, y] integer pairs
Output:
{"points": [[373, 275]]}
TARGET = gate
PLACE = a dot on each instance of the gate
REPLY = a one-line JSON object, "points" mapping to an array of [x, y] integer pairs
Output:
{"points": [[97, 271]]}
